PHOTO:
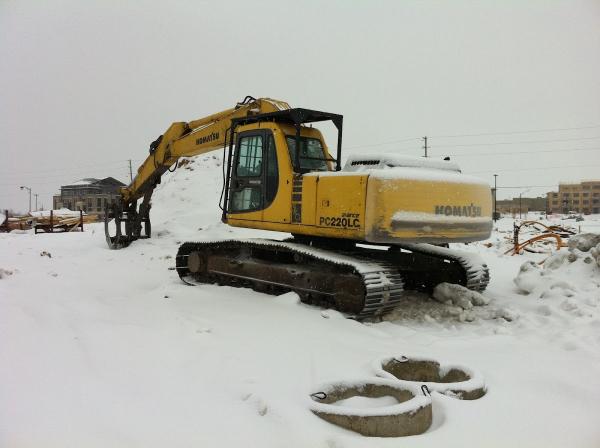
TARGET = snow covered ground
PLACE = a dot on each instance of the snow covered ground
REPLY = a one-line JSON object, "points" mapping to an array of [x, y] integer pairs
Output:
{"points": [[108, 348]]}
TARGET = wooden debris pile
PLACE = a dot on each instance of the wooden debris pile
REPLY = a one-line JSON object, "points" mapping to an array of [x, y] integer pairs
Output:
{"points": [[15, 223], [61, 223], [54, 221]]}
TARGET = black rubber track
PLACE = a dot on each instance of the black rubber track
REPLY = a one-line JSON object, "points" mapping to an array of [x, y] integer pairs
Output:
{"points": [[362, 282]]}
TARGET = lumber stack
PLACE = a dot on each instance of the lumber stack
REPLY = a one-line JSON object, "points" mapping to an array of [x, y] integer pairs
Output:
{"points": [[15, 223], [52, 221], [57, 222], [64, 220]]}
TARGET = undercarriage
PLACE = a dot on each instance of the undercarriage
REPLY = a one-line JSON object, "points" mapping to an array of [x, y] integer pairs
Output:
{"points": [[359, 280]]}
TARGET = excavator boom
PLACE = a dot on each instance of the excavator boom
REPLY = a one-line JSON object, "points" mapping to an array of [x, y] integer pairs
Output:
{"points": [[181, 139], [200, 136]]}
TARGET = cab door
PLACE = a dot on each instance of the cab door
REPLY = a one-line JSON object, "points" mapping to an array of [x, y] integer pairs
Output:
{"points": [[254, 177]]}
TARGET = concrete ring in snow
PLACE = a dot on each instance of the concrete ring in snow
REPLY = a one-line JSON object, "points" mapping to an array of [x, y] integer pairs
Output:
{"points": [[376, 407], [452, 380]]}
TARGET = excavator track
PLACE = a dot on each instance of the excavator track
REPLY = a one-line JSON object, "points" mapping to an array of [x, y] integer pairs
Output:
{"points": [[361, 287], [363, 282], [476, 275]]}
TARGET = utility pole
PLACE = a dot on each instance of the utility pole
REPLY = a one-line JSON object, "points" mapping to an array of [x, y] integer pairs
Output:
{"points": [[425, 145], [28, 189], [495, 193], [520, 200], [130, 172], [36, 196]]}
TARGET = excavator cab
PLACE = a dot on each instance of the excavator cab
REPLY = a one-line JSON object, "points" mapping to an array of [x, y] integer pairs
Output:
{"points": [[270, 152]]}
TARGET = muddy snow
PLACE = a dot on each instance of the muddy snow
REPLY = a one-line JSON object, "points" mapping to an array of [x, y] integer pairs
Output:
{"points": [[109, 348]]}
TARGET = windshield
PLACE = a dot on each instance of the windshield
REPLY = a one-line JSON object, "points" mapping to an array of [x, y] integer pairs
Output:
{"points": [[312, 156]]}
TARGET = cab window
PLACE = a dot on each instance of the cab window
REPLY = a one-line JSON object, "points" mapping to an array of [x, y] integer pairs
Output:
{"points": [[246, 199], [256, 177], [312, 157], [250, 156]]}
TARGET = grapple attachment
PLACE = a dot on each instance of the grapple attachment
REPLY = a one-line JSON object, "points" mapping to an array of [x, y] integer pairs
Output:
{"points": [[127, 223]]}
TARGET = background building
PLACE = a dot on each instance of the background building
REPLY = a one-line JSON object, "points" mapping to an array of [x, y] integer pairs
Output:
{"points": [[89, 194], [523, 205], [581, 198]]}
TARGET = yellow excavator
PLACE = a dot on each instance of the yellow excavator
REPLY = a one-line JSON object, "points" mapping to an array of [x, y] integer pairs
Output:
{"points": [[362, 234]]}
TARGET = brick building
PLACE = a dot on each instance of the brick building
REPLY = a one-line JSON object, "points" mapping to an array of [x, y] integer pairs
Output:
{"points": [[580, 198], [90, 195]]}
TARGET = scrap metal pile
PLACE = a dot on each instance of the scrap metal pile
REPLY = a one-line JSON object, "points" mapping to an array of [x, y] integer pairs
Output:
{"points": [[540, 235]]}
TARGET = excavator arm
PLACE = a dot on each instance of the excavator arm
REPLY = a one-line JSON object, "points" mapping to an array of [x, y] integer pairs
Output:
{"points": [[181, 139]]}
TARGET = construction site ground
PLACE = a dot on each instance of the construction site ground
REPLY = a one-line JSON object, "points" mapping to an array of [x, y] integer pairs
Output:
{"points": [[109, 348]]}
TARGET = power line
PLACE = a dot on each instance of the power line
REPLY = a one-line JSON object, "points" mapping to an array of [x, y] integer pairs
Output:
{"points": [[67, 169], [52, 179], [515, 143], [535, 168], [109, 162], [529, 186], [477, 135], [71, 172], [73, 175], [516, 132], [30, 178], [522, 152], [384, 143]]}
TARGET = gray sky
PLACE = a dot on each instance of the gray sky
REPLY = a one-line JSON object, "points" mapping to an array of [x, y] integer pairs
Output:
{"points": [[86, 85]]}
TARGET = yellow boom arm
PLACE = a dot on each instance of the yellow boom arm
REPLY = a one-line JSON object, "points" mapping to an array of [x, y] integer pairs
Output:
{"points": [[180, 140], [189, 139]]}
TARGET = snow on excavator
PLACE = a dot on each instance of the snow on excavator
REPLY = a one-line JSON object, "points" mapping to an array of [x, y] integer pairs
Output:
{"points": [[361, 234]]}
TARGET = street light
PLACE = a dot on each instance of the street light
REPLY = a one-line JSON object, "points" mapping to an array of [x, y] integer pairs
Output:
{"points": [[36, 196], [28, 189]]}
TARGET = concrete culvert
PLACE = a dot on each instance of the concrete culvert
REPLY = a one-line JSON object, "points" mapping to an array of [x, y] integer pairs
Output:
{"points": [[376, 407], [452, 380]]}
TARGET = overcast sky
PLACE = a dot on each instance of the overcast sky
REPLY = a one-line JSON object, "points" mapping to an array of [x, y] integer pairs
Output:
{"points": [[86, 85]]}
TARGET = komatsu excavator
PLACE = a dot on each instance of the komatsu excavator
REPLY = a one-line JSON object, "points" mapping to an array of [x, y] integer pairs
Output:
{"points": [[361, 235]]}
